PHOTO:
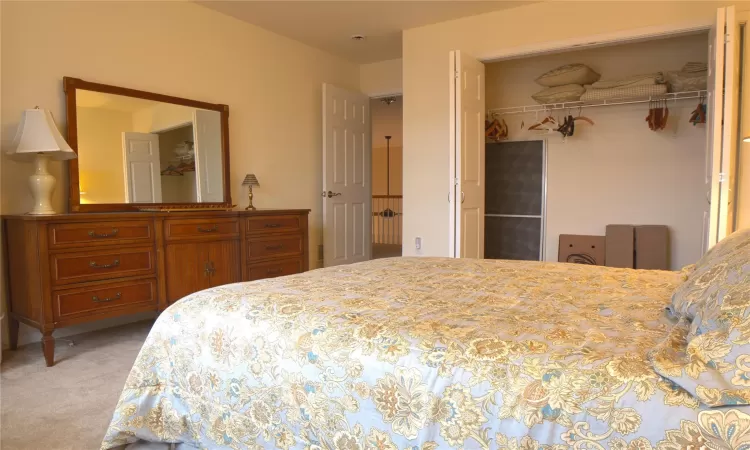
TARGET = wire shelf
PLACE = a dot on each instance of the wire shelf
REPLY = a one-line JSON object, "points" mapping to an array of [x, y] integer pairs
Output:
{"points": [[674, 96]]}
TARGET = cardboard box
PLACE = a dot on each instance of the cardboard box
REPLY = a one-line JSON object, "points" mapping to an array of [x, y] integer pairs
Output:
{"points": [[620, 246], [581, 249], [652, 247]]}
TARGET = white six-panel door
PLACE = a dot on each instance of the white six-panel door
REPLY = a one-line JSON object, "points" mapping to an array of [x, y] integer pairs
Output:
{"points": [[142, 167], [347, 204], [467, 157]]}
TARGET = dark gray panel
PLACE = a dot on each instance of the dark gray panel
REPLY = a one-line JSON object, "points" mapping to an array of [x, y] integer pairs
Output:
{"points": [[513, 178], [512, 238]]}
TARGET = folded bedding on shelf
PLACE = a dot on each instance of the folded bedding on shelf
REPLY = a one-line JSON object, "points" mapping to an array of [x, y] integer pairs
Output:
{"points": [[623, 92], [635, 80], [687, 80], [695, 67]]}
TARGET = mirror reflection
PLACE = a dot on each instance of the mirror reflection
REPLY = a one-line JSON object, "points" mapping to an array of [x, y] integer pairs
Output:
{"points": [[132, 150]]}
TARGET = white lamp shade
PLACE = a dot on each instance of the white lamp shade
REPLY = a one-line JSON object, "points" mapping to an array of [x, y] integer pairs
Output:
{"points": [[37, 133]]}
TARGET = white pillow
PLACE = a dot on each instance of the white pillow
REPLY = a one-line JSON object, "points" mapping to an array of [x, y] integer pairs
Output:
{"points": [[568, 74], [558, 94]]}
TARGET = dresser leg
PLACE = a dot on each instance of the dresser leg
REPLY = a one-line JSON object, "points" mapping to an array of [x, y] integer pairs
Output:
{"points": [[48, 346], [13, 332]]}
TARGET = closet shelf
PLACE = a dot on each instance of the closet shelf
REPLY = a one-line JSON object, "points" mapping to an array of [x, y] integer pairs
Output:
{"points": [[674, 96]]}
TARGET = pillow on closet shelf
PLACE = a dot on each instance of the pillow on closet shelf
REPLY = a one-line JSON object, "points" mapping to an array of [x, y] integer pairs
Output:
{"points": [[558, 94], [568, 74]]}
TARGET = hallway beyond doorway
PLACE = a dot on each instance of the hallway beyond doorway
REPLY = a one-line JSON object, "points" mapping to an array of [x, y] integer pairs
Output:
{"points": [[387, 156]]}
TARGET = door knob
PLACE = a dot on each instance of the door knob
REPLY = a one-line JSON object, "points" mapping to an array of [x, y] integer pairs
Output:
{"points": [[330, 194]]}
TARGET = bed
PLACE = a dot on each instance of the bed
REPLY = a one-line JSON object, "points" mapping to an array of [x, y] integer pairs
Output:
{"points": [[427, 353]]}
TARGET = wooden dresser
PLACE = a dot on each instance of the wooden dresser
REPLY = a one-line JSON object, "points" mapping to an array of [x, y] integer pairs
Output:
{"points": [[68, 269]]}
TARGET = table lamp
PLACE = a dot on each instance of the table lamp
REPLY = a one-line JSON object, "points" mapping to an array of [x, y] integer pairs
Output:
{"points": [[250, 181], [39, 140]]}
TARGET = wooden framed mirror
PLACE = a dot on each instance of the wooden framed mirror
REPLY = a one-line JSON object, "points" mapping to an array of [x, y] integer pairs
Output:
{"points": [[140, 150]]}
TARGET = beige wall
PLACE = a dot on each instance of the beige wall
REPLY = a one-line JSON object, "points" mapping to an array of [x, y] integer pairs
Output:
{"points": [[272, 84], [426, 79], [617, 171], [381, 78], [100, 166], [161, 116]]}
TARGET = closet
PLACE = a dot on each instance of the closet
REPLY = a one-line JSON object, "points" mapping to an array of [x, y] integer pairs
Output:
{"points": [[626, 153], [614, 133]]}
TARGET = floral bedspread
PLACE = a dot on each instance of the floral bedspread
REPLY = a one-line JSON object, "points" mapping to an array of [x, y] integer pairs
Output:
{"points": [[420, 353]]}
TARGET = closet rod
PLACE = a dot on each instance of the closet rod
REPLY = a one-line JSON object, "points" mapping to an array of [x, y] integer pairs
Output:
{"points": [[674, 96]]}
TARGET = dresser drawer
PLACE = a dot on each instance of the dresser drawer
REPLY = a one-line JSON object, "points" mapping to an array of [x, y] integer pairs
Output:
{"points": [[100, 233], [93, 299], [75, 267], [190, 229], [273, 246], [273, 269], [270, 224]]}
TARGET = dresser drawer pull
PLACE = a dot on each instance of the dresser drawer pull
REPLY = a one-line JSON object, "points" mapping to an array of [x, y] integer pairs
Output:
{"points": [[112, 233], [274, 247], [114, 263], [272, 225], [96, 299], [208, 230], [274, 271]]}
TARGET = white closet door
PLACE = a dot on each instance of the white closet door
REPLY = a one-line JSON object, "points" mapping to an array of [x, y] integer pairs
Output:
{"points": [[208, 156], [467, 157], [142, 167], [723, 96]]}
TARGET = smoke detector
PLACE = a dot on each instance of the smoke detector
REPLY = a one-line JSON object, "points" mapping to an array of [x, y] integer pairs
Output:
{"points": [[358, 37]]}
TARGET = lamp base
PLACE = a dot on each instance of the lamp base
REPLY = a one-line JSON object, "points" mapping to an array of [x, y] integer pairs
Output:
{"points": [[41, 184], [250, 206]]}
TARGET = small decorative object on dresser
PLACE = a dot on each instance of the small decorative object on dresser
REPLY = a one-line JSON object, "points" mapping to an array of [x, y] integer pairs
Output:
{"points": [[76, 268], [39, 140], [250, 181]]}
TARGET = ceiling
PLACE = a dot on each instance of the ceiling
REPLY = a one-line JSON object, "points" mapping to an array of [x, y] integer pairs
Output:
{"points": [[329, 25], [93, 99]]}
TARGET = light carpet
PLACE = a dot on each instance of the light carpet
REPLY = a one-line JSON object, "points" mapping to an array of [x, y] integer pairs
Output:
{"points": [[69, 405]]}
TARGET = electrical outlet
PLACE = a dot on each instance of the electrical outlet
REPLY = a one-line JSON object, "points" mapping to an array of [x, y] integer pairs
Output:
{"points": [[418, 243]]}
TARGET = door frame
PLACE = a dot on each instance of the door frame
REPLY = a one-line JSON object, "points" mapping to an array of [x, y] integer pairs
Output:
{"points": [[400, 97], [743, 62]]}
